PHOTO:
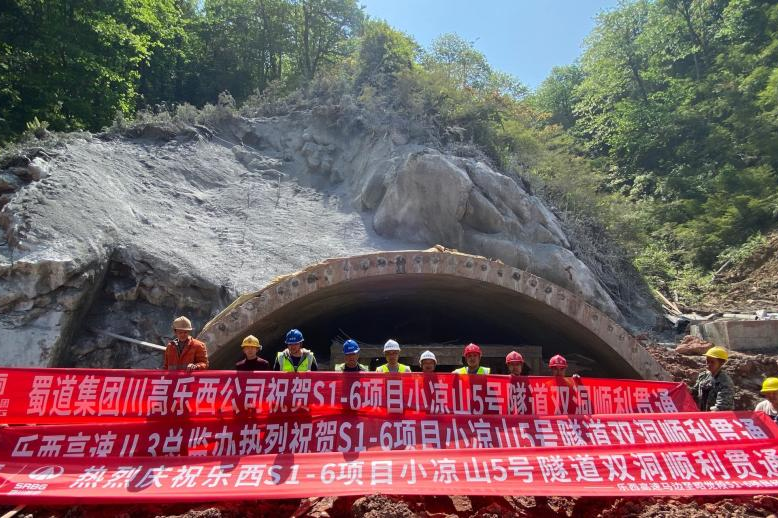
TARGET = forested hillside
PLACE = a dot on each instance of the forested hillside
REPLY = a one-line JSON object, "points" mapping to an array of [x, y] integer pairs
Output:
{"points": [[663, 138], [676, 102]]}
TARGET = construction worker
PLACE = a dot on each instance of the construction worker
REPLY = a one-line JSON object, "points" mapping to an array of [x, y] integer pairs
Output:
{"points": [[515, 363], [250, 361], [295, 358], [351, 357], [184, 352], [769, 405], [714, 390], [472, 356], [558, 365], [427, 361], [392, 355]]}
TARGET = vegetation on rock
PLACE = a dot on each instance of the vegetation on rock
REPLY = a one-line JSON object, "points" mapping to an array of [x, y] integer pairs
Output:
{"points": [[663, 138]]}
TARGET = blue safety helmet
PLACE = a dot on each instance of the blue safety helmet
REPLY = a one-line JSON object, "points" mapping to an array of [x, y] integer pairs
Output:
{"points": [[350, 347], [294, 336]]}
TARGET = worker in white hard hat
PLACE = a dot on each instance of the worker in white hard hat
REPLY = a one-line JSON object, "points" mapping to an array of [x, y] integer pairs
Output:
{"points": [[392, 355], [251, 361], [184, 352], [427, 361]]}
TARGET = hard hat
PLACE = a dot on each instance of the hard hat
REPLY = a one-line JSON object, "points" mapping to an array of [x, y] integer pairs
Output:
{"points": [[717, 352], [514, 357], [182, 323], [350, 347], [391, 345], [472, 348], [770, 385], [294, 336], [251, 341], [427, 355], [557, 361]]}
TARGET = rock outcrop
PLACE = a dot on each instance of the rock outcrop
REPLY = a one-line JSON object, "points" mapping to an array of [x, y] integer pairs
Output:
{"points": [[123, 232]]}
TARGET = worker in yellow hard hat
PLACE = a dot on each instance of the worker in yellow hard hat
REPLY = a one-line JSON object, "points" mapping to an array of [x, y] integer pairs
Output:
{"points": [[769, 405], [251, 360], [714, 389]]}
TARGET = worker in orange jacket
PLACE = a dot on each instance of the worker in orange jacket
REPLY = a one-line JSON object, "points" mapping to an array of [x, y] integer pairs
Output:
{"points": [[185, 352]]}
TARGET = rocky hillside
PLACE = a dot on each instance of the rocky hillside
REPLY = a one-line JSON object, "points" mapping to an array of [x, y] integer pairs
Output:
{"points": [[120, 232]]}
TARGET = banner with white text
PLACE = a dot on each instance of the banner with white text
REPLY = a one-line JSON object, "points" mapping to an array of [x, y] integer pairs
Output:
{"points": [[684, 469], [211, 437], [62, 396]]}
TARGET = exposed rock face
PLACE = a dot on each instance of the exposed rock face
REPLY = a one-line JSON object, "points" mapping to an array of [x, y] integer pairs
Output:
{"points": [[124, 233]]}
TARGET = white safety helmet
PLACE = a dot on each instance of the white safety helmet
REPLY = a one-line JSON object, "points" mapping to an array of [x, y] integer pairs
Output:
{"points": [[427, 355], [391, 345]]}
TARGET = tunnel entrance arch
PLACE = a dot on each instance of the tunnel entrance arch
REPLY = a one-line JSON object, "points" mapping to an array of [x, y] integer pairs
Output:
{"points": [[433, 296]]}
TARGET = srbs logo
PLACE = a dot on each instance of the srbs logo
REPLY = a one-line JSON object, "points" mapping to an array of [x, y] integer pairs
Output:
{"points": [[46, 473]]}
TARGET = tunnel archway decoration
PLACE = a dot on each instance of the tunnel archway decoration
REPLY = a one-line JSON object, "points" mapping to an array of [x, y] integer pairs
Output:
{"points": [[436, 295]]}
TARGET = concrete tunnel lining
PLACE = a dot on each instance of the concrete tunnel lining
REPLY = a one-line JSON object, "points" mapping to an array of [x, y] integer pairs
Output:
{"points": [[431, 296]]}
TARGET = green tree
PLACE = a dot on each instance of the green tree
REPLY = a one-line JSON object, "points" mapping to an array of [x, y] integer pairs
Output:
{"points": [[75, 64], [383, 53], [322, 29], [459, 61], [556, 95]]}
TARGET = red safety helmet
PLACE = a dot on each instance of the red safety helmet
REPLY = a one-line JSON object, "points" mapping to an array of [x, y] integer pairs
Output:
{"points": [[557, 361], [472, 348], [514, 357]]}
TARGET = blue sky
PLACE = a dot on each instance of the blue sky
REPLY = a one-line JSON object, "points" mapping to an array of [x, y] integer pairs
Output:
{"points": [[525, 38]]}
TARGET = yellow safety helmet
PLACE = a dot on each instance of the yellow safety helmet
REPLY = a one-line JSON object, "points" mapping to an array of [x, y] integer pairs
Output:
{"points": [[717, 352], [251, 341], [770, 385]]}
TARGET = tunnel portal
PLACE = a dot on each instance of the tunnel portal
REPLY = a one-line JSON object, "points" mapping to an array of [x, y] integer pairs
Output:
{"points": [[438, 299]]}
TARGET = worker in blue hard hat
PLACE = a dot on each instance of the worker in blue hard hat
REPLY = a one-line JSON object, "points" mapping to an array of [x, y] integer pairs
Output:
{"points": [[351, 357], [295, 358]]}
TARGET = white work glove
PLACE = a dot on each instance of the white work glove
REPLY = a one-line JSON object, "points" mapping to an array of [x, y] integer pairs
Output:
{"points": [[191, 367]]}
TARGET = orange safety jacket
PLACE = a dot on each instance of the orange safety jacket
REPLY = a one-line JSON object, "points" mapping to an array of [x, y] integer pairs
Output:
{"points": [[193, 352]]}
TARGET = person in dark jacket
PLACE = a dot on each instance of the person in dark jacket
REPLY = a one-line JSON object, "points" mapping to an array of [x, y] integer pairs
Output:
{"points": [[714, 390], [251, 361]]}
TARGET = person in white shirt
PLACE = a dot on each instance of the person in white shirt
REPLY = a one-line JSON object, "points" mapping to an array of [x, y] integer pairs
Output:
{"points": [[769, 405]]}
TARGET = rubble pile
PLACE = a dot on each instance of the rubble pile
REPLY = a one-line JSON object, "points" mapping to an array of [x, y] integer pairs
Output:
{"points": [[692, 346], [747, 370], [749, 285]]}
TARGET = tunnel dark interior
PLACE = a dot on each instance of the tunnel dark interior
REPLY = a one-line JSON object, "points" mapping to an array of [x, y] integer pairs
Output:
{"points": [[424, 309]]}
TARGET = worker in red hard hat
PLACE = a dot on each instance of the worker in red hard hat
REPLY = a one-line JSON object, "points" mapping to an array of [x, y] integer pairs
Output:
{"points": [[515, 363], [558, 365], [472, 356]]}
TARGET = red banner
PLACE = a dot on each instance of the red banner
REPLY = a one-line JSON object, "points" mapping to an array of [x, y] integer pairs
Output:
{"points": [[608, 471], [154, 436], [356, 434], [85, 395]]}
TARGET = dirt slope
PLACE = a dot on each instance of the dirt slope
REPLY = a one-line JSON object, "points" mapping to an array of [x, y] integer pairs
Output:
{"points": [[749, 286]]}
